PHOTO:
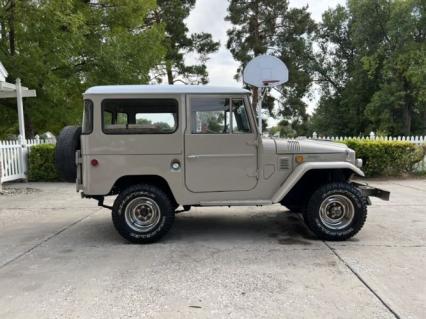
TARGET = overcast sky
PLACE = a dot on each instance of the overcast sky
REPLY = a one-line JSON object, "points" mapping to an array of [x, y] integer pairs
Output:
{"points": [[208, 16]]}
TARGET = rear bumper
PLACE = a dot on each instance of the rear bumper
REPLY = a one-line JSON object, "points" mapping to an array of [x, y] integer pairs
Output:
{"points": [[372, 191]]}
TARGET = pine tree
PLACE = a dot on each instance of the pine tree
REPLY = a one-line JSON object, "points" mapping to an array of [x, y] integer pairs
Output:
{"points": [[271, 27], [179, 43]]}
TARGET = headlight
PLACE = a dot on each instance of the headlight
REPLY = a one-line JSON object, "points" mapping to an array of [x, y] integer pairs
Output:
{"points": [[350, 156], [358, 162]]}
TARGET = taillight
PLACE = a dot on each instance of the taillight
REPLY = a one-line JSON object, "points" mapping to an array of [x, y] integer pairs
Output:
{"points": [[94, 162]]}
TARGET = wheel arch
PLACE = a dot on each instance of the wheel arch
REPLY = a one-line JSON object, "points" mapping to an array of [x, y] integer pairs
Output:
{"points": [[308, 176], [156, 180]]}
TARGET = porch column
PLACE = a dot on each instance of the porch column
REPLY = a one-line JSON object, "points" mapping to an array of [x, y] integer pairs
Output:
{"points": [[20, 109]]}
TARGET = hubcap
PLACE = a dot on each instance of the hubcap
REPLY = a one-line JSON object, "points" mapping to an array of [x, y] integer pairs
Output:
{"points": [[337, 212], [142, 214]]}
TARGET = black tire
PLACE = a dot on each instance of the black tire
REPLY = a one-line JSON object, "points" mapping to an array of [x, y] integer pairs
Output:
{"points": [[134, 231], [346, 198], [67, 143], [295, 208]]}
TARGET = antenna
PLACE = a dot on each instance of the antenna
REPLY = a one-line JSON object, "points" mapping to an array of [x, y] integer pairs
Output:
{"points": [[263, 72]]}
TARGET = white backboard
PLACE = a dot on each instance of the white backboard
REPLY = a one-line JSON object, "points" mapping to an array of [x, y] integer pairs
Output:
{"points": [[265, 71]]}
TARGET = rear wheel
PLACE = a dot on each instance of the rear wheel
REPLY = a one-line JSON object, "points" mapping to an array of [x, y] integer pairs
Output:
{"points": [[142, 213], [336, 211]]}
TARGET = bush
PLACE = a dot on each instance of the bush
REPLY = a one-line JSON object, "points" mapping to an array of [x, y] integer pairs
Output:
{"points": [[41, 162], [387, 158]]}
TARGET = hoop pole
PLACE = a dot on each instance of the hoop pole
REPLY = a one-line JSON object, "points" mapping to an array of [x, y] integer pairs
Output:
{"points": [[259, 111]]}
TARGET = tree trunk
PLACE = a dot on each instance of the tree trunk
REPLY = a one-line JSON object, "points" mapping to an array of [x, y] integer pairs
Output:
{"points": [[3, 32], [406, 120], [424, 122], [407, 109], [170, 79], [29, 127], [12, 44]]}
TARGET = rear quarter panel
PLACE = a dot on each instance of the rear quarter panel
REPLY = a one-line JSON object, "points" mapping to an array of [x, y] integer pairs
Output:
{"points": [[130, 154]]}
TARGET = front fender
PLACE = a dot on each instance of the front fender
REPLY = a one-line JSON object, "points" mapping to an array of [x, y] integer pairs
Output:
{"points": [[300, 170]]}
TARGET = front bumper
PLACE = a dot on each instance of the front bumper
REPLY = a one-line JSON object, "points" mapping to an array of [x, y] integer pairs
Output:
{"points": [[372, 191]]}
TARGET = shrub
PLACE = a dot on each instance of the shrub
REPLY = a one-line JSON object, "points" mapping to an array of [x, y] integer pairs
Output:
{"points": [[41, 163], [387, 158]]}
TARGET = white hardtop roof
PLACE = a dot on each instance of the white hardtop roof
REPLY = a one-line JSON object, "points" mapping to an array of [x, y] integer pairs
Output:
{"points": [[164, 89]]}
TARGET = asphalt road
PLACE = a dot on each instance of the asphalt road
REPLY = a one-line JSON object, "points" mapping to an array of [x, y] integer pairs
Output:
{"points": [[61, 258]]}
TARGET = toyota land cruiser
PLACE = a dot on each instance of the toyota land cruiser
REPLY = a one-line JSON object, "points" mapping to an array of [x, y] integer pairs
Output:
{"points": [[158, 147]]}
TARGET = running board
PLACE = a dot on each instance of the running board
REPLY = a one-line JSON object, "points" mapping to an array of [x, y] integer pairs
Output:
{"points": [[237, 203]]}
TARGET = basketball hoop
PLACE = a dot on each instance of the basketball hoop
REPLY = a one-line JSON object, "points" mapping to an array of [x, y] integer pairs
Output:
{"points": [[265, 71]]}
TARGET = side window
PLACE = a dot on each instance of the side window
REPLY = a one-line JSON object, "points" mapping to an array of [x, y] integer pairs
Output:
{"points": [[107, 118], [115, 118], [87, 124], [240, 121], [122, 118], [139, 116], [210, 115]]}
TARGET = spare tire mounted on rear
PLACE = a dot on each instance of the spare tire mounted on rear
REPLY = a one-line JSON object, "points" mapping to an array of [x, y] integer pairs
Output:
{"points": [[68, 142]]}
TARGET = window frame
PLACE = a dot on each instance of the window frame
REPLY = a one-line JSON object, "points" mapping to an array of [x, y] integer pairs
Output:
{"points": [[221, 96], [247, 115], [209, 97], [174, 100], [90, 106]]}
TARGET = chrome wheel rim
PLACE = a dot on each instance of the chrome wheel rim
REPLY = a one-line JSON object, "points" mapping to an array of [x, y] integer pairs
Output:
{"points": [[337, 212], [142, 214]]}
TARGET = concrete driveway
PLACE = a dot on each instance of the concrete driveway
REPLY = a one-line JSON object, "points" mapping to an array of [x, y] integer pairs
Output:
{"points": [[61, 258]]}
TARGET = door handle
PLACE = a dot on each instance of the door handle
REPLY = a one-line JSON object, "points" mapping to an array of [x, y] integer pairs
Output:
{"points": [[193, 156]]}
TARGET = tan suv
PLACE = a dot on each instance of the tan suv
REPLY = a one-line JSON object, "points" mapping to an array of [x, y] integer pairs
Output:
{"points": [[159, 147]]}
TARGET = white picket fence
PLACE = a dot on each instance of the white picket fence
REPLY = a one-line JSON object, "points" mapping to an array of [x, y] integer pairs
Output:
{"points": [[14, 157], [418, 140]]}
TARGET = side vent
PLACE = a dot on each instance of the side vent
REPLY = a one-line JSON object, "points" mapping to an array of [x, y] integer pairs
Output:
{"points": [[284, 163], [293, 146]]}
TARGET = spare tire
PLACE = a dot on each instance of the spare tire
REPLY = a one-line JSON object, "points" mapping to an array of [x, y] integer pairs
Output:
{"points": [[67, 143]]}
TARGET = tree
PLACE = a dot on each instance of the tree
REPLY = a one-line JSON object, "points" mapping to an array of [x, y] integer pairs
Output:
{"points": [[271, 27], [345, 86], [372, 68], [60, 48], [398, 60], [178, 43], [283, 129]]}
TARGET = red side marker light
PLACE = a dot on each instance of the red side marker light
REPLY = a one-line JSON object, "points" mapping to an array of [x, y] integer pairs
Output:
{"points": [[94, 162]]}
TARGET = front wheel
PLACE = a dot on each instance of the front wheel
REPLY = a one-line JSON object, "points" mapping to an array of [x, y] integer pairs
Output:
{"points": [[336, 211], [142, 213]]}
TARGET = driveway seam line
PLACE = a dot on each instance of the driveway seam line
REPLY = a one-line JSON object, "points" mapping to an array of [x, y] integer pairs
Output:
{"points": [[393, 312], [407, 186], [26, 252], [384, 246]]}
